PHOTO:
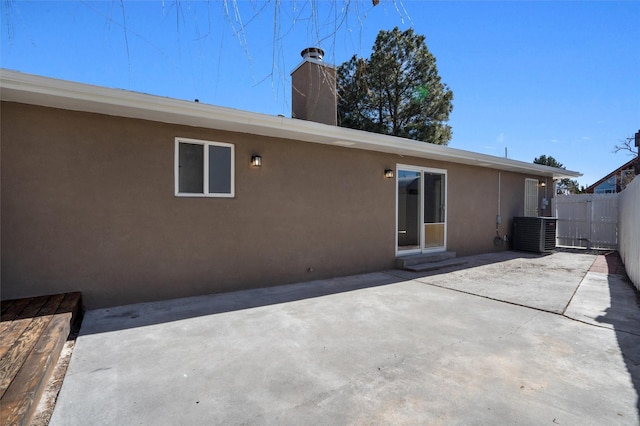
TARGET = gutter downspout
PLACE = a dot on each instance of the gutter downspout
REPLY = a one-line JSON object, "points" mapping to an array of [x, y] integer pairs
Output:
{"points": [[498, 241]]}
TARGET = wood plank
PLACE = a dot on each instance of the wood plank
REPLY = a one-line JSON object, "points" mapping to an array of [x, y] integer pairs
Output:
{"points": [[12, 308], [21, 398], [72, 303], [4, 304], [13, 359], [20, 323], [34, 306], [12, 311]]}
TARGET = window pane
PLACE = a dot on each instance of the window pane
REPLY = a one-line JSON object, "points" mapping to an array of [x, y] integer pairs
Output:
{"points": [[433, 198], [433, 210], [433, 235], [191, 172], [219, 169], [408, 210]]}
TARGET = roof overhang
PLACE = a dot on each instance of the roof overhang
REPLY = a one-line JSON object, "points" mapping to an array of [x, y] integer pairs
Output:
{"points": [[55, 93]]}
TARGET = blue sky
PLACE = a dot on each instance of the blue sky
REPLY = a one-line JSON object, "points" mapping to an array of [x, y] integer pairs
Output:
{"points": [[554, 78]]}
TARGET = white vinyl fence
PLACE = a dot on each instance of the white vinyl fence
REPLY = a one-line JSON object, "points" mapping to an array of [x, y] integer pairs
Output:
{"points": [[587, 220], [629, 244]]}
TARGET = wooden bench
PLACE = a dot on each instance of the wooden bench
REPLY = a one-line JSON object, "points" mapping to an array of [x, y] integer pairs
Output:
{"points": [[32, 334]]}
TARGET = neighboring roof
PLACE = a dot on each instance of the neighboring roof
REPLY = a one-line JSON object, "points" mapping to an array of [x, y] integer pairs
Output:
{"points": [[45, 91], [625, 166]]}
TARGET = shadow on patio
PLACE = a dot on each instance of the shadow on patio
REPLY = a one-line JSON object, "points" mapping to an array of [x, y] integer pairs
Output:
{"points": [[624, 316], [145, 314]]}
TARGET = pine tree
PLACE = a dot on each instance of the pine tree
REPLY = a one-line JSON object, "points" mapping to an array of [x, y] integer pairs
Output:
{"points": [[397, 91]]}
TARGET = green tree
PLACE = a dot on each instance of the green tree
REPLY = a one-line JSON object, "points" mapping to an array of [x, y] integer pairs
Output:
{"points": [[397, 91], [548, 161], [569, 184]]}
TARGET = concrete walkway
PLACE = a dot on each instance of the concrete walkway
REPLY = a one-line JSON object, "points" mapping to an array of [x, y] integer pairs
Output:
{"points": [[512, 338]]}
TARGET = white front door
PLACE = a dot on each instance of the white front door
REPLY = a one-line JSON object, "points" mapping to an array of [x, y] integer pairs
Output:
{"points": [[421, 213], [531, 197]]}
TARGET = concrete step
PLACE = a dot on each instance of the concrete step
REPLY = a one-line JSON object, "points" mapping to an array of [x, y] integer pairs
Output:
{"points": [[402, 262], [434, 266]]}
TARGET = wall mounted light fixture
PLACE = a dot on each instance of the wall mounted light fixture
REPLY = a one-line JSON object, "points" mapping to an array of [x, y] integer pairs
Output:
{"points": [[543, 184], [256, 161], [388, 173]]}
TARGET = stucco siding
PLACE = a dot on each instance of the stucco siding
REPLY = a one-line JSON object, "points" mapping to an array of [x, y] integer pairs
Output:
{"points": [[88, 204], [629, 230]]}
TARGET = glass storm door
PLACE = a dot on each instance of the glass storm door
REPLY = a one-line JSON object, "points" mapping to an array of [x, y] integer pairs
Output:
{"points": [[421, 210]]}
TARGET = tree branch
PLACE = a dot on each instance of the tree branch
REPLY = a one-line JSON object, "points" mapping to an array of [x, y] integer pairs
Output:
{"points": [[626, 146]]}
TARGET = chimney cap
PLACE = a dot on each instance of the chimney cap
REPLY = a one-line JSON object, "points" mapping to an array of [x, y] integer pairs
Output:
{"points": [[312, 52]]}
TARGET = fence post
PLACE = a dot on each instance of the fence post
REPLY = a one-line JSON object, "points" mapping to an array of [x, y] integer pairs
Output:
{"points": [[589, 222]]}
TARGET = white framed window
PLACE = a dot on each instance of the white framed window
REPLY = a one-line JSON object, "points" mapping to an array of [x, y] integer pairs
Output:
{"points": [[204, 168]]}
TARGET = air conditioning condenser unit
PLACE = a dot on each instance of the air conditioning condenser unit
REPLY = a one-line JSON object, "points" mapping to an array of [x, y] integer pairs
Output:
{"points": [[535, 234]]}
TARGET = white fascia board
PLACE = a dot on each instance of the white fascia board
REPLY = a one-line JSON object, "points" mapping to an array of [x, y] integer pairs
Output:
{"points": [[45, 91]]}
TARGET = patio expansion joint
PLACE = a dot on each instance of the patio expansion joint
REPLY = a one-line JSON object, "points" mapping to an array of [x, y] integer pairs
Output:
{"points": [[489, 298], [564, 311], [599, 326], [562, 314]]}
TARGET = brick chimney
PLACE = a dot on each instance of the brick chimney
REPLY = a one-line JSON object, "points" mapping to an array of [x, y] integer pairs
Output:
{"points": [[313, 95]]}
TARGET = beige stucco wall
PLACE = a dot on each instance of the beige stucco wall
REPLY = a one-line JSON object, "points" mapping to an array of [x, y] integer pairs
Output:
{"points": [[88, 204]]}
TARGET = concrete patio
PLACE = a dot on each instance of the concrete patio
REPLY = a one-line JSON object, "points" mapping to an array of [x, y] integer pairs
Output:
{"points": [[508, 338]]}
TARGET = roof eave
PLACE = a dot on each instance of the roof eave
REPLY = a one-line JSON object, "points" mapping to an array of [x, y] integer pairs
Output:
{"points": [[44, 91]]}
